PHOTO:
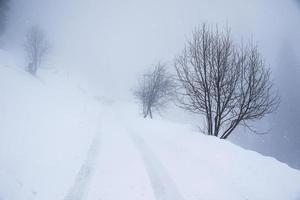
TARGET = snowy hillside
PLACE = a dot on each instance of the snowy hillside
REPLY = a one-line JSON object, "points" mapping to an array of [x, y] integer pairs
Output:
{"points": [[60, 142], [45, 127]]}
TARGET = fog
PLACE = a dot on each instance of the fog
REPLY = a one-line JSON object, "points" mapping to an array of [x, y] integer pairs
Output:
{"points": [[108, 43]]}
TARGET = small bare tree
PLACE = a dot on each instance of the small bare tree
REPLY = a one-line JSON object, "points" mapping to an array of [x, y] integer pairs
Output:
{"points": [[154, 90], [36, 47], [228, 84]]}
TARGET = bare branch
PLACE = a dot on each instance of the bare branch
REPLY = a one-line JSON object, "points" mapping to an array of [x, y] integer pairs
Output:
{"points": [[226, 83]]}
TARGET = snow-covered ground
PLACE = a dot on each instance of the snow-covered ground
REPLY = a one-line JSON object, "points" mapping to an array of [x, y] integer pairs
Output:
{"points": [[57, 141], [46, 127]]}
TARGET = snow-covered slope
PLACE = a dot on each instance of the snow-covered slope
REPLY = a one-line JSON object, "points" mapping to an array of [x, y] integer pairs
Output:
{"points": [[46, 126], [59, 142]]}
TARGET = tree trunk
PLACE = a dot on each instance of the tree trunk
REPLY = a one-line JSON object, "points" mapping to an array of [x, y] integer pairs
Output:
{"points": [[150, 113]]}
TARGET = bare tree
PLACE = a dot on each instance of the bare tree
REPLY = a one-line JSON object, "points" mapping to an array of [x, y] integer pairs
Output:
{"points": [[36, 47], [4, 8], [227, 83], [154, 90]]}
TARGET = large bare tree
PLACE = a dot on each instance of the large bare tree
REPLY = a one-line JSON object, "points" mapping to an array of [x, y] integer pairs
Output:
{"points": [[154, 90], [227, 83], [36, 47]]}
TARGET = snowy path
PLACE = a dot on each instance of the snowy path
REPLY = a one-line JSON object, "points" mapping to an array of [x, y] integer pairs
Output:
{"points": [[80, 186], [128, 169], [120, 173], [162, 184], [152, 160]]}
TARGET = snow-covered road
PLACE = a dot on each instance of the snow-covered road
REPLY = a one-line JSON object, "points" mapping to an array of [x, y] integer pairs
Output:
{"points": [[79, 189], [162, 184], [151, 161], [123, 168]]}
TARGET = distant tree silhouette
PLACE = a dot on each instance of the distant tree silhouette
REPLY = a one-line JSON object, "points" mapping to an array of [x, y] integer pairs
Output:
{"points": [[36, 47], [4, 6], [154, 90]]}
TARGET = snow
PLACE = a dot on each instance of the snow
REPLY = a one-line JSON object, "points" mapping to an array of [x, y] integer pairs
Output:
{"points": [[58, 141], [45, 132]]}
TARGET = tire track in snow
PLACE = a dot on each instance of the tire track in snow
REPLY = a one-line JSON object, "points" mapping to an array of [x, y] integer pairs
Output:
{"points": [[163, 186], [80, 185]]}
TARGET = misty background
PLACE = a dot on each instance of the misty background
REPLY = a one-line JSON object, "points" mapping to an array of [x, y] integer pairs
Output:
{"points": [[118, 40]]}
